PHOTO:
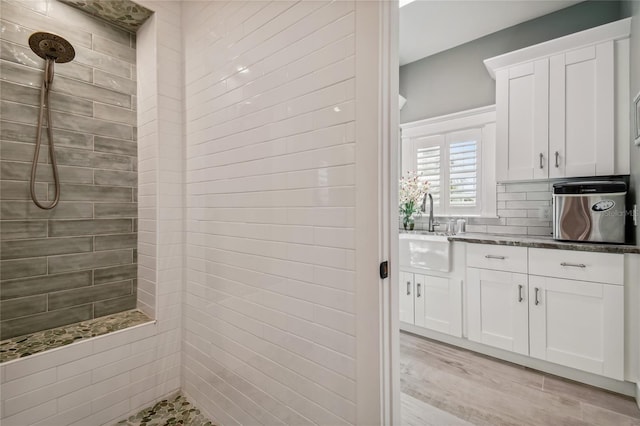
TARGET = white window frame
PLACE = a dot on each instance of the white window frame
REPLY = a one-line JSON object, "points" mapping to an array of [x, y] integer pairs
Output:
{"points": [[477, 123]]}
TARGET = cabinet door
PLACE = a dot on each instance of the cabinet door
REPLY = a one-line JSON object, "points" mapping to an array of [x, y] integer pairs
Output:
{"points": [[522, 121], [578, 324], [581, 112], [497, 308], [438, 304], [406, 297]]}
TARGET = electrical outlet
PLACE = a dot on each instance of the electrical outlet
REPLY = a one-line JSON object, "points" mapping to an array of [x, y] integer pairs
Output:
{"points": [[544, 213]]}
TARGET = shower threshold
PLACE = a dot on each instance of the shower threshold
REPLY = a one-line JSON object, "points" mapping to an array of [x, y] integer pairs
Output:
{"points": [[30, 344]]}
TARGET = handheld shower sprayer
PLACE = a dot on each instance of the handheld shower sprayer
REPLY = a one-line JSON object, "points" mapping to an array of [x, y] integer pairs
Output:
{"points": [[52, 49]]}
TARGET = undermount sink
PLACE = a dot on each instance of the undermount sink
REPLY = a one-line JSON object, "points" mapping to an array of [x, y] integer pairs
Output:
{"points": [[428, 251]]}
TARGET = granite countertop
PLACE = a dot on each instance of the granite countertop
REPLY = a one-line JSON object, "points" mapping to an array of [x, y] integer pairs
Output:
{"points": [[542, 242]]}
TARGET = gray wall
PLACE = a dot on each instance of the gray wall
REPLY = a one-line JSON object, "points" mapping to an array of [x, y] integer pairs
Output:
{"points": [[77, 261], [456, 80], [633, 8]]}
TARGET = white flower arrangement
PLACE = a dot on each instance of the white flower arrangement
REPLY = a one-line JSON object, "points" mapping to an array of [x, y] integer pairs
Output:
{"points": [[412, 190]]}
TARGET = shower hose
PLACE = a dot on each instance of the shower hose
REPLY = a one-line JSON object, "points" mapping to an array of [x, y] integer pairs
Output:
{"points": [[44, 103]]}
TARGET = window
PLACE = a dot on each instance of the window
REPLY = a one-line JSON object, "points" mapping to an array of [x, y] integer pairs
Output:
{"points": [[428, 167], [449, 163], [463, 174], [456, 155]]}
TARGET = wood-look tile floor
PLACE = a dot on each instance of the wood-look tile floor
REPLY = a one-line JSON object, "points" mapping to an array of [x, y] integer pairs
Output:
{"points": [[447, 386]]}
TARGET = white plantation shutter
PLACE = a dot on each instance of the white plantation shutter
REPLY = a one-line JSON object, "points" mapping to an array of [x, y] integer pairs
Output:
{"points": [[463, 174], [456, 154], [428, 168], [451, 164]]}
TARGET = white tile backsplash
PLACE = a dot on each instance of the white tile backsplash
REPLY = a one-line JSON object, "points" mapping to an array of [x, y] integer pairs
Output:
{"points": [[527, 208], [523, 208]]}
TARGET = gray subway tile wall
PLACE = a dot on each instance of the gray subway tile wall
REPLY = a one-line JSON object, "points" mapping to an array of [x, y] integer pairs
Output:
{"points": [[77, 261]]}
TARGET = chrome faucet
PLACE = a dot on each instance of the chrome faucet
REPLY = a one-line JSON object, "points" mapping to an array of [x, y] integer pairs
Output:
{"points": [[432, 223]]}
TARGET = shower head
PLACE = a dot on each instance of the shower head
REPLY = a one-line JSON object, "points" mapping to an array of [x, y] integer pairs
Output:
{"points": [[51, 46]]}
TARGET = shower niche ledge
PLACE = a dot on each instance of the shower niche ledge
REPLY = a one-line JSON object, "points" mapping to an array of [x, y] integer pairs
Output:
{"points": [[17, 348]]}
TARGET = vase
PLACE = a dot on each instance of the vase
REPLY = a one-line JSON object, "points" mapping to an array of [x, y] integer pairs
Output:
{"points": [[408, 223]]}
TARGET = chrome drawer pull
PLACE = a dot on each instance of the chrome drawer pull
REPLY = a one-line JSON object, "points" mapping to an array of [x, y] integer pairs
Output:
{"points": [[541, 159], [557, 158], [520, 299], [537, 301], [575, 265], [492, 256], [408, 288], [418, 290]]}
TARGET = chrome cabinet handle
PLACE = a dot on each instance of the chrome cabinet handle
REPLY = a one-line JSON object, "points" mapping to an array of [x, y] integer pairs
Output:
{"points": [[492, 256], [418, 290], [408, 288], [537, 301], [520, 298], [557, 159], [541, 159], [574, 265]]}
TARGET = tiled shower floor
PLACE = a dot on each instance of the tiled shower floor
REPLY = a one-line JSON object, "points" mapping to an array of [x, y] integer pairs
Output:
{"points": [[171, 411]]}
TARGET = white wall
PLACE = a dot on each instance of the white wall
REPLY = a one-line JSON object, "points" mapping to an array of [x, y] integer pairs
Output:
{"points": [[270, 308], [102, 380]]}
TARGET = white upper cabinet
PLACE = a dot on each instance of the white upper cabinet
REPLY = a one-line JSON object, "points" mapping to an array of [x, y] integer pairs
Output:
{"points": [[556, 106], [522, 121], [581, 112]]}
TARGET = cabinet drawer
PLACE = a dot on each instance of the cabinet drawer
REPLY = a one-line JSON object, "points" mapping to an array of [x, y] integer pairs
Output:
{"points": [[501, 258], [577, 265]]}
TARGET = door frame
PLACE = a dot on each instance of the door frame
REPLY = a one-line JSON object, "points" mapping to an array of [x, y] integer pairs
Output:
{"points": [[376, 214]]}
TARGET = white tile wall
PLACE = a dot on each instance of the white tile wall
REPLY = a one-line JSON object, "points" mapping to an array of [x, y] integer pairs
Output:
{"points": [[269, 315], [105, 379], [97, 381], [159, 46]]}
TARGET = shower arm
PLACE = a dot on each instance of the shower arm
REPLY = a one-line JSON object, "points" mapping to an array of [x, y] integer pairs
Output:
{"points": [[48, 72]]}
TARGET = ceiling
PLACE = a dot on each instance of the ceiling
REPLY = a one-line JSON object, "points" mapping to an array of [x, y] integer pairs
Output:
{"points": [[431, 26]]}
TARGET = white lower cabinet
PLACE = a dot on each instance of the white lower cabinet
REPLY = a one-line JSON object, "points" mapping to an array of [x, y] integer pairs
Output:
{"points": [[567, 317], [561, 306], [578, 324], [431, 302], [439, 304], [497, 309], [406, 297]]}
